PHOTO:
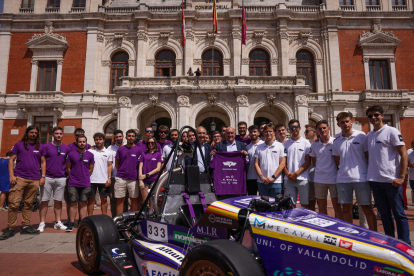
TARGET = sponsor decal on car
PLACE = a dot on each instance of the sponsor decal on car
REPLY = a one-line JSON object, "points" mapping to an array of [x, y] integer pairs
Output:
{"points": [[164, 250], [330, 240], [128, 266], [117, 255], [379, 240], [218, 219], [406, 249], [157, 231], [345, 244], [157, 270], [188, 238], [319, 222], [207, 231], [348, 230], [387, 271], [288, 271]]}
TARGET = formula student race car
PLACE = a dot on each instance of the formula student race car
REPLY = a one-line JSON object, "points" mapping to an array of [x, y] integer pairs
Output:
{"points": [[193, 233]]}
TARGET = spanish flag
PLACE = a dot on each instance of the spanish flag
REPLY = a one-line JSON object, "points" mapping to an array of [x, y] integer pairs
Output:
{"points": [[182, 26], [215, 22]]}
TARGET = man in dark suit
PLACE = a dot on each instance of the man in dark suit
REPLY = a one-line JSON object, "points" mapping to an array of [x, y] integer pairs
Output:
{"points": [[230, 144], [206, 150]]}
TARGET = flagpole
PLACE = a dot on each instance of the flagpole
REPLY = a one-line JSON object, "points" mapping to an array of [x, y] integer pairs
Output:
{"points": [[212, 53], [241, 44]]}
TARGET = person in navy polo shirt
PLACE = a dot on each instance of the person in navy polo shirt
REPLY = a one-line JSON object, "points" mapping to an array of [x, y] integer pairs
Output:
{"points": [[126, 162], [79, 166], [24, 179], [54, 154], [149, 167], [74, 145]]}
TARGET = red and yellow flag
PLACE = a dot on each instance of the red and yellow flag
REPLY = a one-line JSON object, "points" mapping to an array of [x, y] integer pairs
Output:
{"points": [[215, 22], [182, 26]]}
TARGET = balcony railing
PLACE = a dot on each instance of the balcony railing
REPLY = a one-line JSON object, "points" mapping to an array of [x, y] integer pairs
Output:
{"points": [[259, 8], [304, 8], [77, 9], [118, 10], [52, 9], [399, 8], [164, 9], [347, 8], [373, 7], [26, 10]]}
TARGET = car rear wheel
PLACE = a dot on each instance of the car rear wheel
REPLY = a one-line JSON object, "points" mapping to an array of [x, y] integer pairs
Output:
{"points": [[93, 233], [220, 257]]}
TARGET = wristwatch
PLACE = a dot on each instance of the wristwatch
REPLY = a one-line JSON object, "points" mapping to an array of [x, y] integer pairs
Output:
{"points": [[147, 175], [274, 177], [43, 176]]}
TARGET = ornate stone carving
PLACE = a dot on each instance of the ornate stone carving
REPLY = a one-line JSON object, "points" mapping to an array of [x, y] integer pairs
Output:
{"points": [[376, 26], [49, 27], [189, 35], [106, 63], [212, 99], [150, 62], [211, 38], [392, 60], [246, 61], [153, 98], [365, 60], [236, 34], [58, 111], [318, 61], [59, 61], [35, 62], [402, 109], [178, 62], [164, 37], [100, 38], [24, 112], [292, 61], [226, 61], [48, 33], [197, 61], [132, 62], [152, 39], [325, 35], [283, 34], [124, 101], [274, 61], [131, 40], [142, 35], [301, 100], [183, 100], [271, 99], [382, 37], [242, 100], [310, 111], [118, 39], [258, 37], [115, 112], [41, 110], [303, 38]]}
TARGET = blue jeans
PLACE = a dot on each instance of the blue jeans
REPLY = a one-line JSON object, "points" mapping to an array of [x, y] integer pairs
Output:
{"points": [[389, 201], [271, 189]]}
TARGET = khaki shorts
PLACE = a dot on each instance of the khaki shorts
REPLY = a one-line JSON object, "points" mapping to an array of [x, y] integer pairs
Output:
{"points": [[121, 185], [321, 190], [312, 191]]}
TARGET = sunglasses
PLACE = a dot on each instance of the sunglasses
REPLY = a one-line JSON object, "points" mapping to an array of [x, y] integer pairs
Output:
{"points": [[293, 127], [151, 143], [376, 115], [58, 148], [81, 157], [163, 132], [149, 131]]}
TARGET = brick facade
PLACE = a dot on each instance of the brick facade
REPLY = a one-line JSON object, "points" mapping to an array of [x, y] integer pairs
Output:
{"points": [[405, 59], [364, 124], [20, 67], [9, 140], [69, 137], [407, 130]]}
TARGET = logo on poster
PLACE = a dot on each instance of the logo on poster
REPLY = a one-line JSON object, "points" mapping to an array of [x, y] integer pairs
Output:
{"points": [[229, 164]]}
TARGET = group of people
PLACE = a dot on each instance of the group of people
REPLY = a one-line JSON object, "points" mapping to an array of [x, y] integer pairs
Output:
{"points": [[311, 166]]}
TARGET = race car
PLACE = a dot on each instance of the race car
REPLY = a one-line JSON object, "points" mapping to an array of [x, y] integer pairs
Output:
{"points": [[194, 233]]}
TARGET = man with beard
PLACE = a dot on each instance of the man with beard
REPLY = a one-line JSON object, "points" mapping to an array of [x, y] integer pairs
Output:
{"points": [[251, 149]]}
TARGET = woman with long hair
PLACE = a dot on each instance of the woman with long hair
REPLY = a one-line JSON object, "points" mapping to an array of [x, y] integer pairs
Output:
{"points": [[184, 137], [150, 163]]}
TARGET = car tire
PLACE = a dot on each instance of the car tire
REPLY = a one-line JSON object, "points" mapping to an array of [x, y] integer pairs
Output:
{"points": [[93, 233], [224, 256]]}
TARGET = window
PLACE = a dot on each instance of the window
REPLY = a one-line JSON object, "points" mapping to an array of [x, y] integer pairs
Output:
{"points": [[119, 68], [398, 3], [304, 67], [378, 74], [53, 3], [28, 4], [165, 64], [109, 132], [45, 126], [207, 62], [47, 76], [259, 63], [79, 3], [372, 2], [346, 2], [388, 120]]}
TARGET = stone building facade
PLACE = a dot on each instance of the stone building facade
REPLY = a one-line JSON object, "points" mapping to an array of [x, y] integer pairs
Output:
{"points": [[102, 65]]}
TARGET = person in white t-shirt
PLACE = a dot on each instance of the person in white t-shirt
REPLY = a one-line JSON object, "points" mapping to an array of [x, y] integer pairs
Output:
{"points": [[297, 164], [387, 165], [167, 149], [269, 163], [251, 182], [350, 153], [310, 134], [325, 170], [101, 175]]}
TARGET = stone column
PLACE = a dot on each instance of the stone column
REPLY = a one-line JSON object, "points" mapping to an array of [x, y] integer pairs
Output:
{"points": [[141, 57], [188, 53], [236, 35], [58, 74], [242, 109], [124, 109], [91, 57], [284, 50], [33, 77], [183, 115], [5, 37], [335, 65], [393, 75], [366, 73], [301, 110]]}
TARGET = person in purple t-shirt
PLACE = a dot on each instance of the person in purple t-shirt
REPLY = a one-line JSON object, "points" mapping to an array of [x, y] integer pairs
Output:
{"points": [[79, 167], [242, 137], [24, 179], [54, 154], [149, 167], [126, 162], [74, 145], [163, 132]]}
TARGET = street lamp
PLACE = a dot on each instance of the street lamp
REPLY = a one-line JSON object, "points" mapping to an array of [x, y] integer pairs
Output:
{"points": [[154, 124], [213, 124]]}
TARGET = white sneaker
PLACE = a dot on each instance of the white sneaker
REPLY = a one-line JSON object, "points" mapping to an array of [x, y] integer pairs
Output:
{"points": [[59, 226], [41, 227]]}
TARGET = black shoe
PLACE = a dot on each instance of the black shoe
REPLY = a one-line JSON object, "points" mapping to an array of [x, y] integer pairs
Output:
{"points": [[29, 231], [70, 227], [7, 234], [79, 221], [67, 222]]}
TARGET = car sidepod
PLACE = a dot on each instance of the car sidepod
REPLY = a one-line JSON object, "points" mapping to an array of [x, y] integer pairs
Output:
{"points": [[117, 260], [304, 242]]}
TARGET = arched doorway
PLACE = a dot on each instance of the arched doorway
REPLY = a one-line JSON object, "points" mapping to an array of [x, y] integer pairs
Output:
{"points": [[270, 114], [162, 117], [206, 123], [258, 120], [109, 132]]}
